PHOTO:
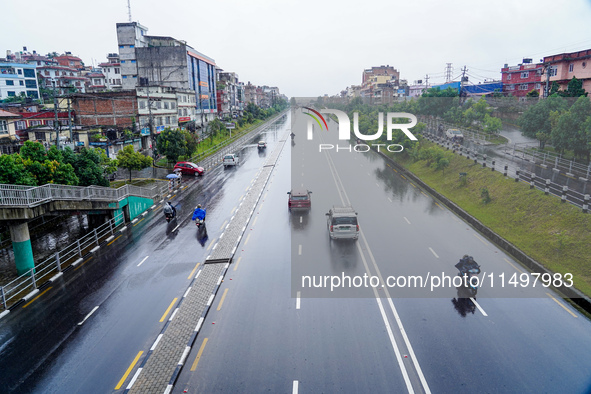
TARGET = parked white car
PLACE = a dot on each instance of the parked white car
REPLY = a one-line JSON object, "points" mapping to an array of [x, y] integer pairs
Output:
{"points": [[451, 133]]}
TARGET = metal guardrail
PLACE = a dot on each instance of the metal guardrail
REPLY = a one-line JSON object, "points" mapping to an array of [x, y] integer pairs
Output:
{"points": [[519, 174], [16, 195], [71, 255], [528, 152]]}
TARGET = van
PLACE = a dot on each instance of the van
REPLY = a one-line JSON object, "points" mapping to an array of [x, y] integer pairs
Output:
{"points": [[342, 223]]}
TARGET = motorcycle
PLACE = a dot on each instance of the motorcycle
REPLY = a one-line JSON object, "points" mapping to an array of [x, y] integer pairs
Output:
{"points": [[200, 223], [467, 271], [169, 216]]}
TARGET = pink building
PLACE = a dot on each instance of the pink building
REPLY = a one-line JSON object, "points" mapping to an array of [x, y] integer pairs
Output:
{"points": [[565, 66]]}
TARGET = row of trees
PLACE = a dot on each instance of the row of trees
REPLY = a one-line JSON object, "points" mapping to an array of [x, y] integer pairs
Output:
{"points": [[36, 166], [565, 123]]}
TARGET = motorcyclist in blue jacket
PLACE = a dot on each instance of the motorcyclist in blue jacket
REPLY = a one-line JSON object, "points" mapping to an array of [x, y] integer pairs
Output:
{"points": [[199, 213]]}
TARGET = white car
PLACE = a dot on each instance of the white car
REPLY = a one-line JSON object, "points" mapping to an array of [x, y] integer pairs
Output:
{"points": [[451, 133], [230, 160]]}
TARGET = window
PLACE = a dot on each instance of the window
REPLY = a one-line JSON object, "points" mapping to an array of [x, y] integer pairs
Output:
{"points": [[9, 83], [135, 76], [40, 136], [172, 105], [185, 112], [180, 112], [523, 86], [159, 121], [538, 86], [31, 84], [46, 72], [11, 93], [571, 68], [22, 83], [158, 104], [49, 123], [168, 120], [133, 61], [142, 104], [132, 46], [29, 73], [508, 77], [118, 81], [3, 127], [165, 105], [553, 71], [77, 83], [19, 71], [125, 76], [117, 71], [525, 74], [20, 125], [35, 123], [71, 74]]}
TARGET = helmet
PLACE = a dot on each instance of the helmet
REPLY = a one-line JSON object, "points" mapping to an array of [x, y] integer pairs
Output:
{"points": [[198, 205]]}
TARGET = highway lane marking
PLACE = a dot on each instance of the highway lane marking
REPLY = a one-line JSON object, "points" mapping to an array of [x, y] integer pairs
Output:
{"points": [[295, 387], [432, 251], [87, 316], [199, 353], [223, 224], [113, 240], [423, 193], [222, 300], [141, 262], [167, 310], [478, 306], [43, 292], [247, 238], [265, 196], [481, 240], [402, 176], [192, 272], [138, 222], [436, 203], [84, 262], [394, 169], [560, 303], [184, 188], [299, 293], [300, 250], [513, 265], [301, 219], [247, 187], [254, 222], [407, 221], [241, 197], [159, 207], [126, 374], [237, 262], [172, 197], [211, 243], [232, 211]]}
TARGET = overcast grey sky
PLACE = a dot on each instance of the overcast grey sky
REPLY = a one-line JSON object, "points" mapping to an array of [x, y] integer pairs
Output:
{"points": [[313, 47]]}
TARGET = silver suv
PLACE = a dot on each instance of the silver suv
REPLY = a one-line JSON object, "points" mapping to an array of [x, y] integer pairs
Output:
{"points": [[342, 223]]}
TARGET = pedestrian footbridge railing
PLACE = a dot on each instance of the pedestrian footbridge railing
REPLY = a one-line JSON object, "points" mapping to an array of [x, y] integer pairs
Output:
{"points": [[27, 285], [27, 196]]}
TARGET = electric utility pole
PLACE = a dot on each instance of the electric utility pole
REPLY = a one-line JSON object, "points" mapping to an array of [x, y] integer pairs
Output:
{"points": [[56, 125]]}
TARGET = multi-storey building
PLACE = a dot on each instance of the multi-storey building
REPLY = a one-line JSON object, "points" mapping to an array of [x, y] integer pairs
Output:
{"points": [[7, 130], [563, 67], [17, 79], [67, 60], [66, 79], [165, 61], [521, 79], [112, 72], [230, 94], [158, 105], [250, 94], [380, 75], [96, 81]]}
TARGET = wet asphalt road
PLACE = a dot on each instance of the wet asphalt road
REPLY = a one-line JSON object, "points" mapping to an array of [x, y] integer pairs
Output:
{"points": [[261, 335]]}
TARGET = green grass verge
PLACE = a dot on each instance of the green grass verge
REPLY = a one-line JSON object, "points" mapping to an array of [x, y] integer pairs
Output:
{"points": [[556, 234], [136, 182]]}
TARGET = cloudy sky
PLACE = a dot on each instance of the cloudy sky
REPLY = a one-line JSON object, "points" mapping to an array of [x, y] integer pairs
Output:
{"points": [[315, 47]]}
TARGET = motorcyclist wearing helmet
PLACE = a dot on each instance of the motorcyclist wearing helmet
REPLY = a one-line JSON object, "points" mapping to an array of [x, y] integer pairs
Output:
{"points": [[467, 263], [199, 213], [169, 209]]}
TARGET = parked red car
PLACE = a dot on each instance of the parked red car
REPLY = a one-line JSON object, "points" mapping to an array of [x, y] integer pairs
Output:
{"points": [[189, 168], [299, 199]]}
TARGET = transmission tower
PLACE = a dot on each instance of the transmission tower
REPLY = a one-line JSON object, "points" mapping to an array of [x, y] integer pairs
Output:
{"points": [[129, 9], [448, 72]]}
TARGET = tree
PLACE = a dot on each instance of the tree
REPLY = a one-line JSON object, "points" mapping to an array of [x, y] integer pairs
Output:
{"points": [[12, 171], [90, 165], [537, 117], [191, 142], [533, 93], [574, 89], [172, 144], [570, 131], [130, 159]]}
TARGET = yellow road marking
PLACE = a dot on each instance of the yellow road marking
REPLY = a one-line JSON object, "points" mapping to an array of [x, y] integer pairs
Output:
{"points": [[194, 366], [394, 169], [88, 259], [413, 185], [168, 310], [241, 197], [402, 176], [222, 300], [481, 240], [438, 205], [185, 187], [424, 194], [138, 222], [223, 225], [129, 370], [513, 265], [114, 240], [255, 220], [211, 244], [237, 262], [157, 208], [232, 211], [173, 196], [560, 303], [247, 238], [192, 272], [44, 291]]}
